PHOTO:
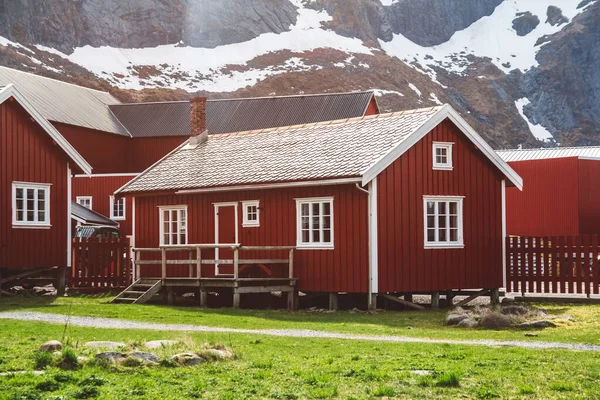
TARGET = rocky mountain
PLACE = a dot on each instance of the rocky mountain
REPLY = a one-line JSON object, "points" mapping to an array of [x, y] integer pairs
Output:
{"points": [[522, 72]]}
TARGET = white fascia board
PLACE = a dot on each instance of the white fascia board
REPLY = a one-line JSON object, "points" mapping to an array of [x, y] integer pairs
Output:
{"points": [[11, 91], [445, 112]]}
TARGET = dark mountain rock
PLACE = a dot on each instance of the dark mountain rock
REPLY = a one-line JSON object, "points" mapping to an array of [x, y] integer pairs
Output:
{"points": [[525, 23], [555, 16]]}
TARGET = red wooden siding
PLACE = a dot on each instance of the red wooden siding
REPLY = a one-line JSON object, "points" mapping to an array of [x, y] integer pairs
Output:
{"points": [[372, 108], [589, 195], [101, 188], [404, 264], [29, 155], [143, 152], [549, 202], [344, 269]]}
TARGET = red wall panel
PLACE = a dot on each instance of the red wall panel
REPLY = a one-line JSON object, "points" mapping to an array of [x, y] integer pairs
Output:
{"points": [[404, 264], [143, 152], [101, 188], [549, 202], [589, 195], [372, 108], [29, 155], [344, 269]]}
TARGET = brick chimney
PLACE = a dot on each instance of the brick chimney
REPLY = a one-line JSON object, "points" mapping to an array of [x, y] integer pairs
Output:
{"points": [[198, 132]]}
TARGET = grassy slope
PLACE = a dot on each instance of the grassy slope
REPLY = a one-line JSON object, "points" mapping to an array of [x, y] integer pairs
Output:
{"points": [[430, 323], [284, 368]]}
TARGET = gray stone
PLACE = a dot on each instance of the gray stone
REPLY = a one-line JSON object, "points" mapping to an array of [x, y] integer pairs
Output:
{"points": [[52, 345], [455, 319], [187, 359], [104, 345], [537, 324], [217, 354], [157, 344], [112, 356], [143, 356], [529, 334], [468, 323], [420, 372], [525, 23], [515, 310], [555, 16]]}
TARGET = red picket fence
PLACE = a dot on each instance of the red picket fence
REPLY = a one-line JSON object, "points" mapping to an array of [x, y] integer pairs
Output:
{"points": [[564, 264], [100, 264]]}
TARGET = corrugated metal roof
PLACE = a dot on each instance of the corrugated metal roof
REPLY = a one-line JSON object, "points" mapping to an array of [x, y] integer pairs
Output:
{"points": [[64, 102], [546, 153], [90, 216], [333, 149], [235, 115]]}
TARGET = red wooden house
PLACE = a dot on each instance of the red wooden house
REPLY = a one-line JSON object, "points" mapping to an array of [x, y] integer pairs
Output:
{"points": [[36, 164], [399, 203], [121, 140], [561, 195]]}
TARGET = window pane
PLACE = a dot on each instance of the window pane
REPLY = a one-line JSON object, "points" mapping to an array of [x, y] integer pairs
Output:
{"points": [[305, 236], [166, 239], [442, 207], [41, 215], [304, 210], [315, 222], [327, 236], [430, 208], [316, 208], [327, 208], [182, 238], [453, 235], [326, 222], [442, 221], [173, 238], [316, 236], [442, 235], [431, 235], [431, 222], [19, 193], [453, 207], [453, 222], [305, 221], [20, 216]]}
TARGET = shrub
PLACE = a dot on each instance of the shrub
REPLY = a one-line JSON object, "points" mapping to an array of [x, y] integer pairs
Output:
{"points": [[87, 392], [47, 386], [63, 377], [384, 391], [526, 389], [93, 381], [42, 360], [448, 379], [68, 359], [495, 320], [562, 386]]}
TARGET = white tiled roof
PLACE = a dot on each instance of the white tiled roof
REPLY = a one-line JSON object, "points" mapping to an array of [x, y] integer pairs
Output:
{"points": [[546, 153], [336, 149]]}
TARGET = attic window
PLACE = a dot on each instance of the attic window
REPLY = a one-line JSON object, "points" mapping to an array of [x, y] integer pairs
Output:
{"points": [[31, 204], [85, 201], [442, 156]]}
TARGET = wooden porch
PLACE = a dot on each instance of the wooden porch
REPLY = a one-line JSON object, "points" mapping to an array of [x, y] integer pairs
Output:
{"points": [[277, 274]]}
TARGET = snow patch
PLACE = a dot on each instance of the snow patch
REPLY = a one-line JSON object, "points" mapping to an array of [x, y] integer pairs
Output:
{"points": [[435, 99], [195, 69], [382, 92], [491, 36], [415, 89], [538, 131]]}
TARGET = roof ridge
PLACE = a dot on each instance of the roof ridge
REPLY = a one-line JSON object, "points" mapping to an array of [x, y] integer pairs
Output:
{"points": [[59, 81], [551, 148], [325, 123]]}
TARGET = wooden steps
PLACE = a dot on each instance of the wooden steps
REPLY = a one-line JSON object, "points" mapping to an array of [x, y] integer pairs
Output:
{"points": [[139, 292]]}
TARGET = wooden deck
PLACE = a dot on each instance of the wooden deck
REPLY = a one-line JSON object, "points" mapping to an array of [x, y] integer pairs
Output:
{"points": [[193, 259]]}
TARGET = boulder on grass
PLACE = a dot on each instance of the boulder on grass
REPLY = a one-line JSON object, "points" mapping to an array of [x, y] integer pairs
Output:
{"points": [[52, 345], [187, 359], [216, 354], [468, 323], [515, 310], [111, 356], [455, 319], [495, 320], [537, 324], [105, 345], [157, 344], [143, 356]]}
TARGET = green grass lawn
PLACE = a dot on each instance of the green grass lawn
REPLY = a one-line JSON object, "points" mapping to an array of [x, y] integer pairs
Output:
{"points": [[285, 368], [429, 323]]}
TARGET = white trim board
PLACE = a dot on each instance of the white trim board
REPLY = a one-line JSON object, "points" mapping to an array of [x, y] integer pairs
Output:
{"points": [[216, 206], [11, 91], [133, 175], [445, 112]]}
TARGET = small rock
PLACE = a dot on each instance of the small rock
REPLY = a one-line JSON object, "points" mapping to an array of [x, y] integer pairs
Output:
{"points": [[420, 372], [111, 356], [157, 344], [217, 354], [515, 310], [187, 359], [455, 319], [52, 345], [104, 345], [537, 324], [468, 323], [529, 334], [143, 356]]}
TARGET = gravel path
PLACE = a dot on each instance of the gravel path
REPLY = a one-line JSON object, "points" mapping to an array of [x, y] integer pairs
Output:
{"points": [[93, 322]]}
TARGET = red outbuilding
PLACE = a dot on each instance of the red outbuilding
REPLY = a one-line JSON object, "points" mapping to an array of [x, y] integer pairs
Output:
{"points": [[36, 165], [561, 195], [400, 203]]}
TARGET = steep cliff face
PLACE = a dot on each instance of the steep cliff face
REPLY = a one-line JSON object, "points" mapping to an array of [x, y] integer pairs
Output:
{"points": [[522, 72]]}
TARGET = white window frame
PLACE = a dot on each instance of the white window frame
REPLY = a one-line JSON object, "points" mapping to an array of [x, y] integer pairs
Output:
{"points": [[248, 222], [436, 244], [448, 165], [37, 186], [79, 199], [161, 220], [112, 209], [314, 245]]}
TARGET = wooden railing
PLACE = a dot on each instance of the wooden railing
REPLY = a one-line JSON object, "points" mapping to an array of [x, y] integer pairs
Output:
{"points": [[195, 261], [100, 264], [564, 264]]}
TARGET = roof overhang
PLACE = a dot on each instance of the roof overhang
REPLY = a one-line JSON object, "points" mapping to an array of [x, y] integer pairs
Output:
{"points": [[445, 112], [11, 91]]}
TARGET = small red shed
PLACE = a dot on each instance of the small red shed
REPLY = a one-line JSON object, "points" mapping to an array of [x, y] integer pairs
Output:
{"points": [[407, 202], [561, 195], [35, 188]]}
